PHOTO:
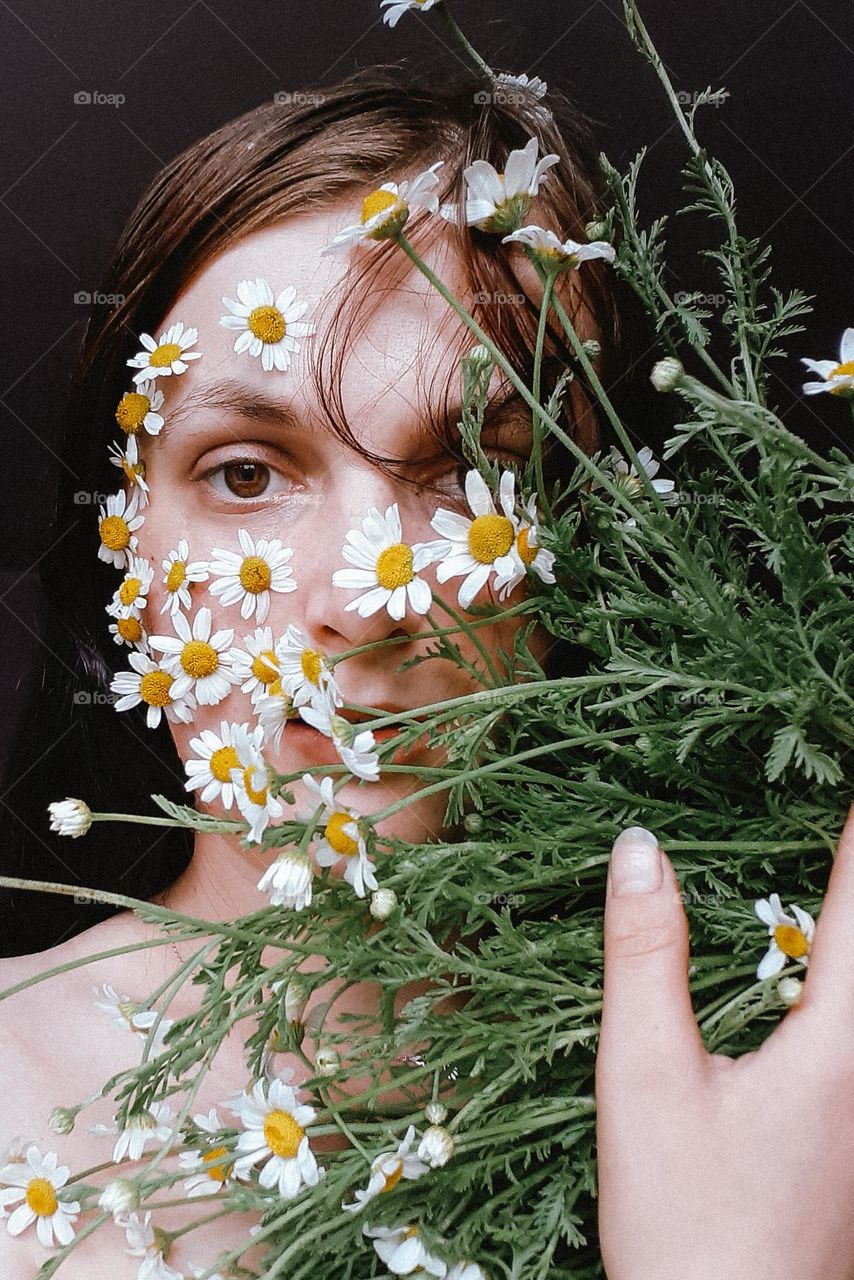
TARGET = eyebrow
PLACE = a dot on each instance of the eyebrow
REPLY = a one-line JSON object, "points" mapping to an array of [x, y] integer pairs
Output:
{"points": [[253, 404]]}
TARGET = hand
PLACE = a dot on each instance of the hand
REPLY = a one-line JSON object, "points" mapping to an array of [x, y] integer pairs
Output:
{"points": [[714, 1168]]}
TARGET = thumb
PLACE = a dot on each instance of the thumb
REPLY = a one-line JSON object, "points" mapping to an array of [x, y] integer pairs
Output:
{"points": [[648, 1030]]}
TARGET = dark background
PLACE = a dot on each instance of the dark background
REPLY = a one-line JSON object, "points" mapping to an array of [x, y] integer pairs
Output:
{"points": [[72, 171]]}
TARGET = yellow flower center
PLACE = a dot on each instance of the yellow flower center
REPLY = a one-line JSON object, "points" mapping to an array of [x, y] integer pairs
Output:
{"points": [[257, 797], [131, 411], [129, 629], [282, 1134], [175, 576], [134, 473], [114, 532], [393, 1178], [129, 590], [267, 323], [394, 566], [274, 688], [217, 1167], [41, 1197], [199, 659], [490, 537], [164, 355], [223, 760], [265, 671], [527, 553], [311, 662], [791, 941], [154, 688], [845, 370], [377, 202], [255, 574], [337, 836]]}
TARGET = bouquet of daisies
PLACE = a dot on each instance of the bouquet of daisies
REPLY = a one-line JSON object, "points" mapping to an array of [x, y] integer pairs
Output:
{"points": [[713, 705]]}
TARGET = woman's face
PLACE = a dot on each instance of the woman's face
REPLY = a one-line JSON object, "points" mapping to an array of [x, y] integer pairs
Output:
{"points": [[271, 466]]}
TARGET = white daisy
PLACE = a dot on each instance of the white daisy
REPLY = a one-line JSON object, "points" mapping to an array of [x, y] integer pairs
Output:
{"points": [[404, 1252], [386, 210], [130, 631], [170, 355], [475, 548], [126, 458], [130, 1015], [466, 1271], [274, 709], [525, 553], [627, 479], [178, 575], [791, 939], [138, 410], [144, 1243], [397, 8], [838, 376], [563, 254], [155, 686], [500, 201], [117, 520], [257, 664], [70, 817], [143, 1127], [251, 782], [305, 672], [533, 84], [211, 1167], [288, 880], [355, 747], [208, 660], [35, 1181], [211, 770], [251, 577], [268, 328], [386, 566], [275, 1131], [342, 838], [387, 1170], [131, 596]]}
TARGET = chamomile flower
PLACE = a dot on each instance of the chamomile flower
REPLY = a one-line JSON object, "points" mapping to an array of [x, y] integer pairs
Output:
{"points": [[170, 355], [387, 1170], [158, 688], [144, 1242], [138, 410], [500, 201], [479, 547], [394, 9], [838, 376], [404, 1252], [561, 254], [288, 880], [251, 782], [627, 479], [131, 596], [791, 939], [268, 327], [386, 568], [525, 553], [386, 210], [274, 709], [35, 1181], [143, 1127], [127, 459], [130, 631], [211, 1167], [70, 817], [275, 1131], [251, 577], [533, 84], [257, 664], [179, 573], [342, 838], [466, 1271], [355, 747], [216, 756], [117, 520], [305, 672], [130, 1015], [208, 660]]}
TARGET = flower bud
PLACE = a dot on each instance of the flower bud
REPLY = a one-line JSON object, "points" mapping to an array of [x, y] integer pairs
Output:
{"points": [[480, 356], [383, 903], [666, 374], [473, 823], [436, 1146], [70, 817], [62, 1119], [591, 348], [790, 990], [436, 1113], [597, 231], [296, 995], [326, 1062], [118, 1197]]}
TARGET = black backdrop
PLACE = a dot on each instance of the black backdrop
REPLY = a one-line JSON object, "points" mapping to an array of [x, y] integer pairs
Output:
{"points": [[159, 74]]}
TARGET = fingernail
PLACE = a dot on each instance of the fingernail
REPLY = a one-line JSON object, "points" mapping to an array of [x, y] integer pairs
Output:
{"points": [[635, 862]]}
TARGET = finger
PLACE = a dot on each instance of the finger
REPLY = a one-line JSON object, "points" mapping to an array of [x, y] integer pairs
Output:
{"points": [[649, 1033], [830, 978]]}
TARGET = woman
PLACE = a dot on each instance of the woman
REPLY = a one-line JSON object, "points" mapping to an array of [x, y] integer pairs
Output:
{"points": [[248, 447]]}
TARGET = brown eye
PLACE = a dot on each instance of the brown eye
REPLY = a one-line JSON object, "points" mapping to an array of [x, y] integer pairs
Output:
{"points": [[246, 479]]}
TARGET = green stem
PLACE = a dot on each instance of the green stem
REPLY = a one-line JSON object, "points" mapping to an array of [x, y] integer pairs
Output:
{"points": [[466, 45]]}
